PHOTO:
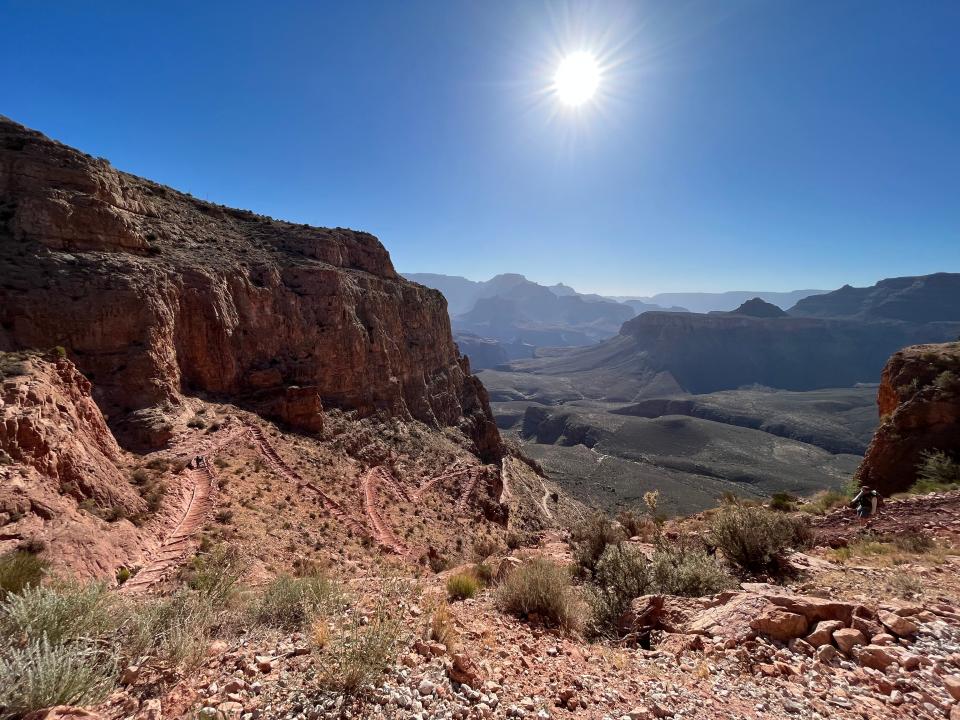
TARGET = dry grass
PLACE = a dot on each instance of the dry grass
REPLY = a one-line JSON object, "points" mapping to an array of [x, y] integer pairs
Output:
{"points": [[541, 589]]}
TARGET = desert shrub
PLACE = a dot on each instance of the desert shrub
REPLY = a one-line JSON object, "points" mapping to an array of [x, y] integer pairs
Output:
{"points": [[936, 472], [824, 501], [19, 570], [438, 562], [912, 542], [176, 629], [123, 574], [158, 464], [61, 612], [484, 547], [622, 574], [214, 574], [542, 588], [516, 539], [483, 573], [635, 525], [754, 538], [140, 477], [906, 585], [441, 627], [42, 673], [590, 538], [197, 423], [289, 603], [782, 502], [462, 586], [947, 382], [687, 570], [363, 648]]}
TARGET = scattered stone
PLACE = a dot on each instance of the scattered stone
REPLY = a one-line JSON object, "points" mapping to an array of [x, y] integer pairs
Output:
{"points": [[848, 638]]}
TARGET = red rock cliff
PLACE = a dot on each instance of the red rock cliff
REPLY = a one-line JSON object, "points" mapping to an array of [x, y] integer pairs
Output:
{"points": [[155, 294], [919, 404]]}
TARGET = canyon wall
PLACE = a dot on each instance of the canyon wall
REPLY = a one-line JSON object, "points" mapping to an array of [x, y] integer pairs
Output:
{"points": [[155, 294]]}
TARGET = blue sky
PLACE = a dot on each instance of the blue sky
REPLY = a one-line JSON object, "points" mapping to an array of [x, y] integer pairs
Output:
{"points": [[744, 144]]}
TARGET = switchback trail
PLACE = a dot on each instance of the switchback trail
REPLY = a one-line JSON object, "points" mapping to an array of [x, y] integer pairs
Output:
{"points": [[913, 513]]}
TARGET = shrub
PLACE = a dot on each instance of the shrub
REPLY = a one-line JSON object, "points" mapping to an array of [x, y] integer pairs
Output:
{"points": [[140, 477], [635, 525], [363, 649], [123, 574], [290, 603], [60, 612], [19, 570], [34, 546], [782, 502], [484, 548], [214, 574], [462, 586], [158, 464], [516, 539], [176, 629], [483, 573], [936, 472], [197, 423], [688, 571], [824, 501], [441, 627], [754, 538], [41, 674], [948, 382], [590, 538], [542, 588], [622, 574]]}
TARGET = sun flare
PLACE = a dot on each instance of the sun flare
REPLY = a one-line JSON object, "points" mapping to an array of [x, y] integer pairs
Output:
{"points": [[577, 78]]}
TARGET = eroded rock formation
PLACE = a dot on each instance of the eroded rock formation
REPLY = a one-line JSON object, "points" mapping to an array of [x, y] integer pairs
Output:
{"points": [[919, 404], [156, 294]]}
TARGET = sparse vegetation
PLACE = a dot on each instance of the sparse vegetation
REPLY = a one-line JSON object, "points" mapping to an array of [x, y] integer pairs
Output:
{"points": [[441, 627], [60, 612], [937, 472], [824, 501], [541, 589], [19, 570], [590, 538], [755, 538], [291, 603], [462, 586], [42, 674], [782, 502]]}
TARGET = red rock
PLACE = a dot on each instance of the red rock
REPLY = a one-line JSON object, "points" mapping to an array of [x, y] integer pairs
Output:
{"points": [[952, 684], [62, 712], [823, 632], [848, 638], [897, 624], [463, 669], [679, 643], [915, 415], [780, 624], [874, 656]]}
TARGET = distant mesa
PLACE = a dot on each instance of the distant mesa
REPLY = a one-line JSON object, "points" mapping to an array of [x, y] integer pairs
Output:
{"points": [[759, 308], [918, 299]]}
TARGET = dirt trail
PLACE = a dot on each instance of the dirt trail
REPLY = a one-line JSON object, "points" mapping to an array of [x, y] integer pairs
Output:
{"points": [[382, 532], [472, 479], [273, 459], [423, 489], [176, 546], [938, 512]]}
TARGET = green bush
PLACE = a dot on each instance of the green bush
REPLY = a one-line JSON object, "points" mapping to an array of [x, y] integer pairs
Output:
{"points": [[755, 538], [689, 571], [462, 586], [543, 588], [289, 603], [590, 538], [622, 574], [61, 612], [936, 472], [41, 674], [19, 570], [824, 501], [214, 574], [782, 502]]}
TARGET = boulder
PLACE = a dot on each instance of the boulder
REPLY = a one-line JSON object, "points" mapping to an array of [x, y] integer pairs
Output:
{"points": [[780, 624], [733, 619], [643, 614], [62, 712], [952, 684], [875, 656], [464, 670], [679, 643], [848, 638], [897, 624], [823, 632]]}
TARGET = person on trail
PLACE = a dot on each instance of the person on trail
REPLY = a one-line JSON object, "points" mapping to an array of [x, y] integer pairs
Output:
{"points": [[198, 461], [865, 503]]}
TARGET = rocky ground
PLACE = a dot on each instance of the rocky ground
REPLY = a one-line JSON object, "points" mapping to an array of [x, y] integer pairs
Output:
{"points": [[813, 648]]}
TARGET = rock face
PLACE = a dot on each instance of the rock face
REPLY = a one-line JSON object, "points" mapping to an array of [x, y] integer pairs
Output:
{"points": [[758, 307], [158, 294], [56, 452], [919, 404]]}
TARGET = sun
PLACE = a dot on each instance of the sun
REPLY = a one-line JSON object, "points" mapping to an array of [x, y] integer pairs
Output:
{"points": [[577, 78]]}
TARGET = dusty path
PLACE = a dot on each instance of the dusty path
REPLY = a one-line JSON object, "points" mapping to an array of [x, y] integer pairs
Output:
{"points": [[473, 477], [925, 514], [382, 531], [178, 544], [273, 459]]}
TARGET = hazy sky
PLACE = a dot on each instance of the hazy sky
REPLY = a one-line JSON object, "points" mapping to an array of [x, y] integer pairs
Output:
{"points": [[762, 144]]}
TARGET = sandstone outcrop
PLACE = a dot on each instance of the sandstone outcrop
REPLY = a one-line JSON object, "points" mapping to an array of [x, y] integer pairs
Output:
{"points": [[919, 404], [56, 454], [156, 294]]}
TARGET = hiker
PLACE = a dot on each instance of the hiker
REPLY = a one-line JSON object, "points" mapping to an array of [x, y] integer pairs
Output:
{"points": [[198, 461], [865, 503]]}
